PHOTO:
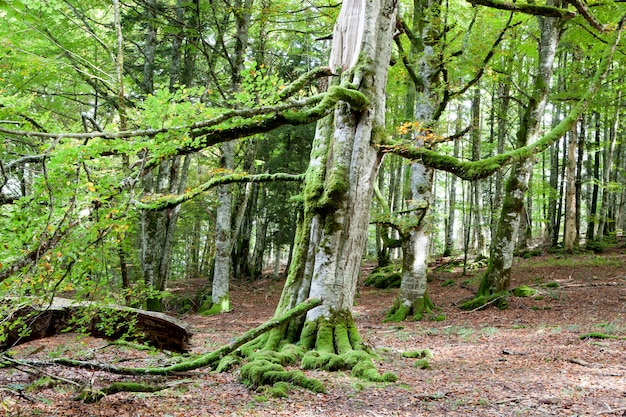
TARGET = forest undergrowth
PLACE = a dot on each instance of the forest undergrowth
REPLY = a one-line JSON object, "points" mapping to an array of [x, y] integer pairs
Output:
{"points": [[544, 355]]}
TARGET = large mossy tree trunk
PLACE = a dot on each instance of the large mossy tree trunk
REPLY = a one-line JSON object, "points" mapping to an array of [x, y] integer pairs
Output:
{"points": [[496, 280], [332, 233]]}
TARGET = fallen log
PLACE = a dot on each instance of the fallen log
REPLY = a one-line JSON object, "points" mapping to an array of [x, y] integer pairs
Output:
{"points": [[95, 319], [207, 360]]}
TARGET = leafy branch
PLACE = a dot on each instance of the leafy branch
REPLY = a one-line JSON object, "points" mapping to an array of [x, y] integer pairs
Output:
{"points": [[474, 170]]}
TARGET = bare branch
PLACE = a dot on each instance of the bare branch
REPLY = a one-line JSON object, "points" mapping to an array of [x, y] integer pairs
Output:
{"points": [[169, 202], [528, 8], [589, 17]]}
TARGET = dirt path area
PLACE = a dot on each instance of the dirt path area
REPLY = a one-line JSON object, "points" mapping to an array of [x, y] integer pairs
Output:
{"points": [[528, 360]]}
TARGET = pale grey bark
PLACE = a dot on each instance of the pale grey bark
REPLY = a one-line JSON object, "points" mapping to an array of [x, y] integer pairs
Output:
{"points": [[223, 237], [348, 35], [497, 277], [416, 247], [571, 227], [224, 233], [607, 169], [340, 178]]}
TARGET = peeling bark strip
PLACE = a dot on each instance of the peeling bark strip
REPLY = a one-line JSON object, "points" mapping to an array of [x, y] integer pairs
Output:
{"points": [[348, 35], [109, 322]]}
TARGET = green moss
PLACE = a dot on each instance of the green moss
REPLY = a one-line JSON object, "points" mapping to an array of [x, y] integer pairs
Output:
{"points": [[596, 335], [355, 356], [308, 335], [261, 372], [280, 389], [274, 338], [249, 348], [355, 338], [398, 313], [227, 363], [366, 370], [417, 354], [322, 360], [448, 283], [553, 284], [524, 291], [389, 276], [342, 338], [324, 341], [421, 364], [211, 309], [483, 301]]}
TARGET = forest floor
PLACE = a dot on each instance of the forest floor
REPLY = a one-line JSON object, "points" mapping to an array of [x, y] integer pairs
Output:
{"points": [[528, 360]]}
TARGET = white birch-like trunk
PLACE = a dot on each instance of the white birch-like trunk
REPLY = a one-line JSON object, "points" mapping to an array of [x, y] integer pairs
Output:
{"points": [[220, 289], [416, 246]]}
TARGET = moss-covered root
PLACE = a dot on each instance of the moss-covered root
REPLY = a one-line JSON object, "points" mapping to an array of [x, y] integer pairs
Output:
{"points": [[92, 396], [209, 308], [334, 344], [389, 276], [482, 301], [262, 372], [421, 308]]}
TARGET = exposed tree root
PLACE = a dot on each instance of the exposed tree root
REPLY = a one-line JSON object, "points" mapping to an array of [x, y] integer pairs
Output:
{"points": [[324, 344], [92, 396], [208, 360], [480, 301], [419, 309], [389, 276]]}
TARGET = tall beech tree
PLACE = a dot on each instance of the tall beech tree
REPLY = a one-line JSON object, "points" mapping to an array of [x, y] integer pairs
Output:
{"points": [[349, 142]]}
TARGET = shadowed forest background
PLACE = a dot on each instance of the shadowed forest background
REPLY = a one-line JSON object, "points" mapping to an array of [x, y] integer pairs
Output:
{"points": [[372, 184]]}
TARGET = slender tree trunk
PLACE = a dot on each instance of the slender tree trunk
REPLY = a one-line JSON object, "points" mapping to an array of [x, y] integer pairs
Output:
{"points": [[480, 243], [608, 158], [224, 234], [593, 205], [571, 227], [220, 287], [498, 276], [450, 224]]}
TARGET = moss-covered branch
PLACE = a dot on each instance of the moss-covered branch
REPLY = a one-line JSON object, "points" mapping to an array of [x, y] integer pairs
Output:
{"points": [[528, 8], [207, 360], [303, 81], [93, 396], [474, 170], [171, 201]]}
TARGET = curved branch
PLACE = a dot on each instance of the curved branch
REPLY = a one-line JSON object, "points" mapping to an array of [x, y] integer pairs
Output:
{"points": [[481, 169], [528, 8], [589, 17], [168, 202]]}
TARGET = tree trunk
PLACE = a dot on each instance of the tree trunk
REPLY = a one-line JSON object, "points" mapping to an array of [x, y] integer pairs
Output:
{"points": [[592, 215], [338, 187], [571, 227], [498, 275], [220, 287]]}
